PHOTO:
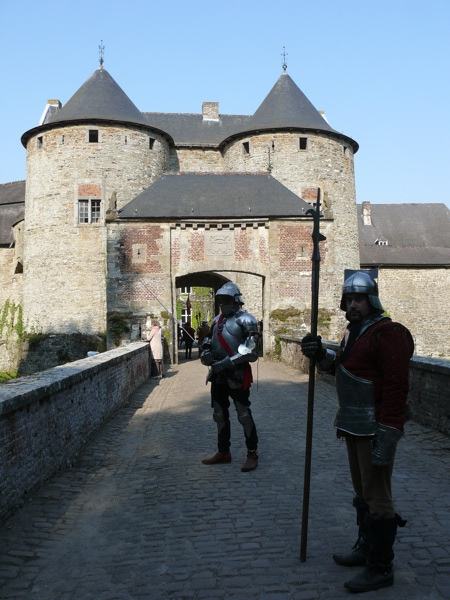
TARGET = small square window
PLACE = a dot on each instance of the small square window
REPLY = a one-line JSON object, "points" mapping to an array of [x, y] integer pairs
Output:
{"points": [[93, 136], [151, 142], [246, 147], [62, 139], [40, 141], [303, 142]]}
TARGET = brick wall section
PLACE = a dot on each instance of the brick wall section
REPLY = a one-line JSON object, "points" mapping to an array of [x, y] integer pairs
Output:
{"points": [[45, 419], [429, 382]]}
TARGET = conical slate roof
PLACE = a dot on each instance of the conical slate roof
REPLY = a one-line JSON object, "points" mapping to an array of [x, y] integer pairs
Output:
{"points": [[99, 98], [287, 107]]}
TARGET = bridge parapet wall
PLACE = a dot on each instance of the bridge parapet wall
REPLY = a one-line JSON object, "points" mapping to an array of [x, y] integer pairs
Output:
{"points": [[46, 418], [429, 379]]}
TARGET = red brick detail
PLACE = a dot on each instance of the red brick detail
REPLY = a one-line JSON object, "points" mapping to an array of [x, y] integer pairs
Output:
{"points": [[176, 252], [242, 239], [295, 248], [89, 190], [150, 237], [196, 247], [309, 194]]}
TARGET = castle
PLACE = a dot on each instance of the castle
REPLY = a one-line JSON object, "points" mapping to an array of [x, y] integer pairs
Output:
{"points": [[121, 208]]}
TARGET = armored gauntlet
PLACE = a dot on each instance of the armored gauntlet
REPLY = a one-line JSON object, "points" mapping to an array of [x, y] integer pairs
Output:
{"points": [[384, 444]]}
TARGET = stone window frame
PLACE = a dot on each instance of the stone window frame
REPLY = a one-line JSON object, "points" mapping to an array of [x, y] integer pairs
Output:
{"points": [[40, 142], [246, 148], [89, 200], [99, 140], [151, 142], [300, 139]]}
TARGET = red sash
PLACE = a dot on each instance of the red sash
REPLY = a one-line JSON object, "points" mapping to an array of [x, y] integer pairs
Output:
{"points": [[248, 375]]}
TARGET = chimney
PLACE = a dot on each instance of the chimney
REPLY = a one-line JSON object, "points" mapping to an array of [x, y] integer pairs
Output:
{"points": [[323, 114], [54, 102], [367, 213], [50, 108], [210, 111]]}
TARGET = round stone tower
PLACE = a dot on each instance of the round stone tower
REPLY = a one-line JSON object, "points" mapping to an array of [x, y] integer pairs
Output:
{"points": [[288, 138], [85, 161]]}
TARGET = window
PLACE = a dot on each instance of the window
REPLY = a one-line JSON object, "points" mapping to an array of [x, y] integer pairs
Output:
{"points": [[62, 139], [89, 210], [185, 290], [246, 147], [186, 315], [303, 142], [151, 142], [93, 136], [40, 141]]}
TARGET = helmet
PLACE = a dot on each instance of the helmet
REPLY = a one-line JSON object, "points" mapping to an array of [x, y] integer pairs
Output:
{"points": [[361, 283], [231, 289]]}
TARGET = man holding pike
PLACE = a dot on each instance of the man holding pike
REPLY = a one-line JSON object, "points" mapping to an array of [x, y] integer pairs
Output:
{"points": [[371, 371]]}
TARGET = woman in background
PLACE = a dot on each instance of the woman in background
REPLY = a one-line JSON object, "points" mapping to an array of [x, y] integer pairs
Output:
{"points": [[154, 336]]}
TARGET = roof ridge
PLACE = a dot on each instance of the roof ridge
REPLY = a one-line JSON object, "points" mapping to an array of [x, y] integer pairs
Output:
{"points": [[13, 182]]}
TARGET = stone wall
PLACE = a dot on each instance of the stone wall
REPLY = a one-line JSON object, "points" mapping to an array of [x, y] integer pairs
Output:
{"points": [[429, 397], [429, 382], [65, 261], [418, 298], [46, 419]]}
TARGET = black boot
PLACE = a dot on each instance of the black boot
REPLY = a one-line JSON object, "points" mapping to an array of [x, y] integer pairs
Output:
{"points": [[379, 571], [358, 555]]}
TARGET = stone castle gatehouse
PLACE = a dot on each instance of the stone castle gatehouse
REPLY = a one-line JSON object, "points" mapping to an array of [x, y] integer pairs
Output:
{"points": [[122, 207]]}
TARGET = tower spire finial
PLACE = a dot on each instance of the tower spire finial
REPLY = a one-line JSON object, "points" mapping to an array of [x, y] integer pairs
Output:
{"points": [[284, 54], [101, 54]]}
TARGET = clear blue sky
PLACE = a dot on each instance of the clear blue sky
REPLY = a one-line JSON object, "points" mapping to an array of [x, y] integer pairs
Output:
{"points": [[380, 70]]}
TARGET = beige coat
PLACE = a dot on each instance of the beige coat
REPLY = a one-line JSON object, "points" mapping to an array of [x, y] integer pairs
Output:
{"points": [[154, 336]]}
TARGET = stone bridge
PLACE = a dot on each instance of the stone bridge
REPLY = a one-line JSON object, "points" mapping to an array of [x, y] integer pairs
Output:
{"points": [[137, 516]]}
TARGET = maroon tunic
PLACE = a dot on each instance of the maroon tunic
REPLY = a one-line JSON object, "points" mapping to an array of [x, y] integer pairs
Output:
{"points": [[382, 355]]}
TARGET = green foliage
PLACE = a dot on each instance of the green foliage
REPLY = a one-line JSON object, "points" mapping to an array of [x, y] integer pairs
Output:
{"points": [[35, 338], [118, 324], [8, 375], [101, 344], [283, 314], [277, 348], [11, 321]]}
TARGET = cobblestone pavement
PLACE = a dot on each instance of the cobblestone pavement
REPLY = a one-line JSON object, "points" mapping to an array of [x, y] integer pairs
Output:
{"points": [[139, 517]]}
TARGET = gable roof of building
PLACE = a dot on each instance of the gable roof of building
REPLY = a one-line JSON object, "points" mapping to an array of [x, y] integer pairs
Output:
{"points": [[211, 195], [416, 235], [12, 208]]}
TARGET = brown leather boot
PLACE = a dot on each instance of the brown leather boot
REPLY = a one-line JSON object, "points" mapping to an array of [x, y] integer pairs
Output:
{"points": [[217, 458], [251, 461]]}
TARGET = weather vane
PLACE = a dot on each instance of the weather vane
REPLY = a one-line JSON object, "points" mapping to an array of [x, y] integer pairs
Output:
{"points": [[101, 53], [284, 54]]}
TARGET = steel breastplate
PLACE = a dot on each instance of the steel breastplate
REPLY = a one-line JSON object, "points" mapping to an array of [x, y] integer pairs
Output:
{"points": [[232, 333], [356, 397]]}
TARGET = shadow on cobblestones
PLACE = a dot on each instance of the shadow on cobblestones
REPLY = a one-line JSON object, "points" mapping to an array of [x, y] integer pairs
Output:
{"points": [[139, 516]]}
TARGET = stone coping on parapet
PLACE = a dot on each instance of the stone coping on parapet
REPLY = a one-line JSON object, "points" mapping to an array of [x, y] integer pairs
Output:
{"points": [[19, 393], [424, 363]]}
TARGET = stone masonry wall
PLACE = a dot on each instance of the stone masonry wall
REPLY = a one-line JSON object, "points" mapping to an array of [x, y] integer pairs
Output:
{"points": [[326, 163], [46, 419], [418, 298], [64, 261]]}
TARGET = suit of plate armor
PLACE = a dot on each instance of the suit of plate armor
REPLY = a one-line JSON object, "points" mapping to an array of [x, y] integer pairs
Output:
{"points": [[228, 352]]}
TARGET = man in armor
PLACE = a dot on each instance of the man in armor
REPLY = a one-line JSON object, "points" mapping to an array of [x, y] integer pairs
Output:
{"points": [[371, 371], [228, 352]]}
